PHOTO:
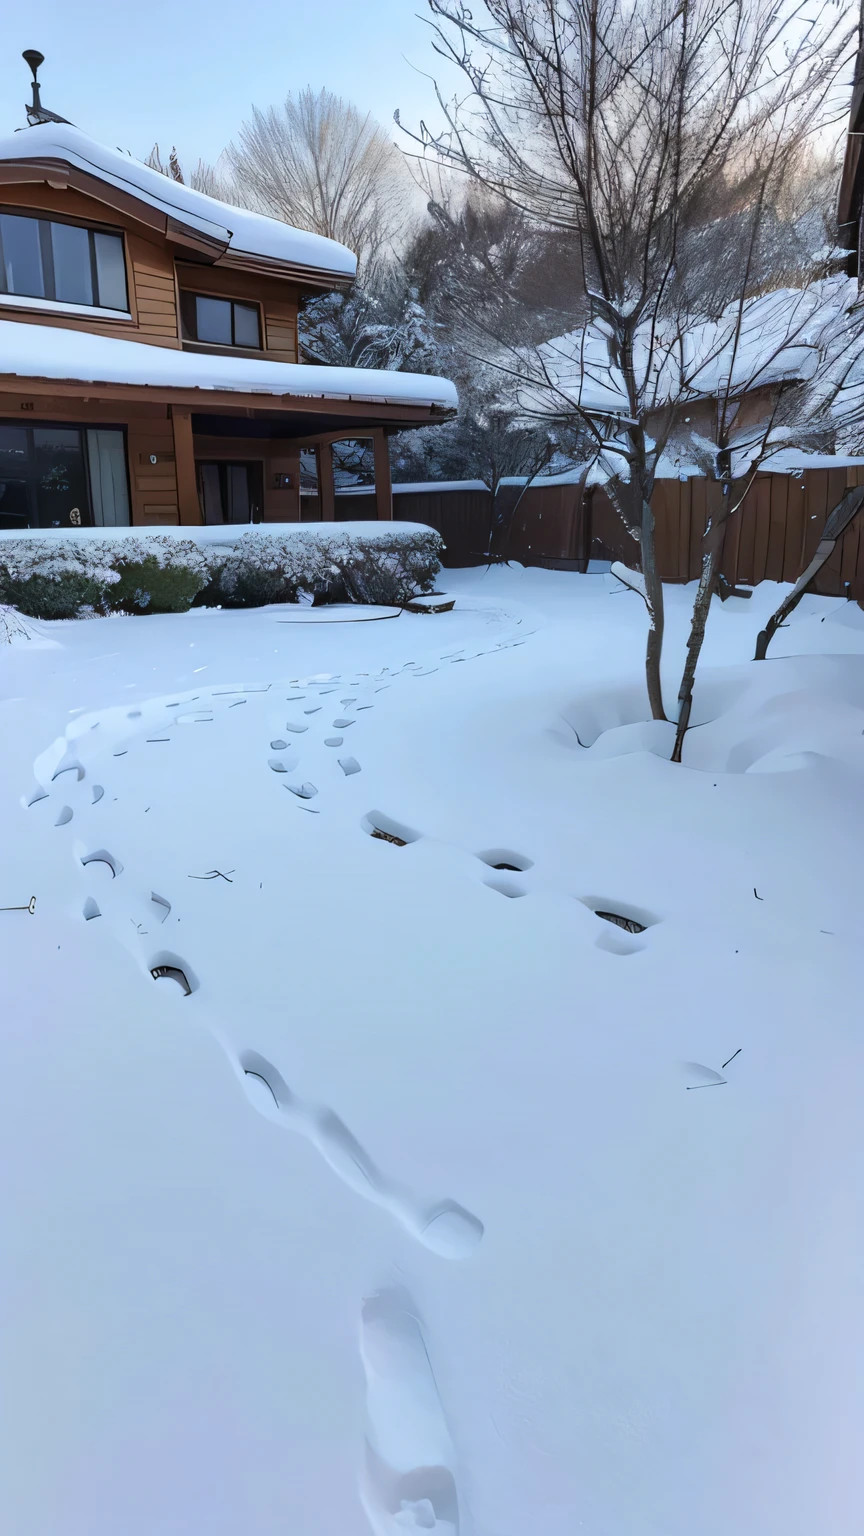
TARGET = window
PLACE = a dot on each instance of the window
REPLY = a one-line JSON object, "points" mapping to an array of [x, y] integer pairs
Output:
{"points": [[41, 259], [221, 322], [62, 477]]}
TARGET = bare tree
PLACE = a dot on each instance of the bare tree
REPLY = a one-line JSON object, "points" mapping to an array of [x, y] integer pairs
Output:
{"points": [[319, 163], [616, 123], [214, 180]]}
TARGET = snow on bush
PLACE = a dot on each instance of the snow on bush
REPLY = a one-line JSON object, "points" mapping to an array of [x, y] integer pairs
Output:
{"points": [[54, 579], [363, 566], [57, 576]]}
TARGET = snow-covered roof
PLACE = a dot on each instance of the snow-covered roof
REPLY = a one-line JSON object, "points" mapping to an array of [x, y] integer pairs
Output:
{"points": [[778, 338], [242, 232], [52, 352]]}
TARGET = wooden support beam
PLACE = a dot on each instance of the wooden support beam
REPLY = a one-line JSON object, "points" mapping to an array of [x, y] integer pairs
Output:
{"points": [[184, 464], [326, 489], [383, 486]]}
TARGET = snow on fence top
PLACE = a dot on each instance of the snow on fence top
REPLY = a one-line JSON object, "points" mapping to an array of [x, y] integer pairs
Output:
{"points": [[241, 231], [52, 352], [418, 487]]}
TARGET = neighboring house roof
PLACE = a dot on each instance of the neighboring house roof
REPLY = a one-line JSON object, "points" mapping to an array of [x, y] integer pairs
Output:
{"points": [[52, 352], [222, 228], [779, 338]]}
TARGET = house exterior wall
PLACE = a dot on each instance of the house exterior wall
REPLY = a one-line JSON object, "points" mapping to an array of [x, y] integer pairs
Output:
{"points": [[155, 275]]}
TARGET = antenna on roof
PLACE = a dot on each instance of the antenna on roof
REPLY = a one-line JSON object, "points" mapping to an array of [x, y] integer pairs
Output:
{"points": [[36, 113]]}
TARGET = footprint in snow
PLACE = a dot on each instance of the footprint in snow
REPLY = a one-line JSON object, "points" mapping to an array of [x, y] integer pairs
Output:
{"points": [[443, 1226], [303, 791], [342, 724], [408, 1479], [333, 741], [348, 765]]}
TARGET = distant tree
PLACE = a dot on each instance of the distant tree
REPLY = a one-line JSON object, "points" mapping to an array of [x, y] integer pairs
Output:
{"points": [[381, 326], [319, 163], [214, 180]]}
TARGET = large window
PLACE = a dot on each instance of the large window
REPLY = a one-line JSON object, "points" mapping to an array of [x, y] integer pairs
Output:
{"points": [[221, 322], [41, 259], [62, 477]]}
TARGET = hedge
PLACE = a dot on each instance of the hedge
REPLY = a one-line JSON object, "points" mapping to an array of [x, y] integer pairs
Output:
{"points": [[52, 576]]}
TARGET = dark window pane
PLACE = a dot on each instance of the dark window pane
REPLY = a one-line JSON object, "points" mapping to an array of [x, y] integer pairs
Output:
{"points": [[13, 450], [213, 320], [210, 493], [236, 493], [61, 484], [73, 282], [22, 257], [111, 271], [245, 326], [14, 504]]}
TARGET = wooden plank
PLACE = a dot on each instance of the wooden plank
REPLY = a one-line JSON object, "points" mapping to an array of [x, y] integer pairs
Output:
{"points": [[154, 517], [154, 285], [778, 498], [849, 551], [149, 299], [762, 527], [793, 547], [815, 509], [157, 483], [663, 507], [746, 529], [696, 531], [187, 484], [383, 487]]}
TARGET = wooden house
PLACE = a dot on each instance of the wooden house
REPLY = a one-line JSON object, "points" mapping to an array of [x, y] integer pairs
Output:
{"points": [[150, 372]]}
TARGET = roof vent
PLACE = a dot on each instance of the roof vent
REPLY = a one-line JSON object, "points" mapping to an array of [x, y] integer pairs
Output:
{"points": [[36, 113]]}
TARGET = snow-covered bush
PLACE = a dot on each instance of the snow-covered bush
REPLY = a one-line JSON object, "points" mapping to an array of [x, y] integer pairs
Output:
{"points": [[392, 570], [159, 575], [274, 566], [53, 579]]}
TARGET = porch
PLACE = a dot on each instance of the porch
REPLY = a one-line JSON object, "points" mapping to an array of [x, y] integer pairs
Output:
{"points": [[98, 431]]}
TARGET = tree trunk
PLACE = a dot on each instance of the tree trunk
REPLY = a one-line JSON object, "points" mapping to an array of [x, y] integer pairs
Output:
{"points": [[837, 524], [654, 604], [704, 593]]}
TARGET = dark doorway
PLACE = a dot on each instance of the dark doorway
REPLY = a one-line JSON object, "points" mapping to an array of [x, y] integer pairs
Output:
{"points": [[230, 492]]}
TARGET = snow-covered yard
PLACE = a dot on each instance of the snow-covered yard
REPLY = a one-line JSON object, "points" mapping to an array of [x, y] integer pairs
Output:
{"points": [[413, 1215]]}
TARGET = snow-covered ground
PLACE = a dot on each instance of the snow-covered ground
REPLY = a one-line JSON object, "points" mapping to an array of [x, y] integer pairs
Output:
{"points": [[411, 1216]]}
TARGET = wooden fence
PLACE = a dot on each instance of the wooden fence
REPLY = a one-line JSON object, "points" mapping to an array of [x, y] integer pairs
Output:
{"points": [[771, 538]]}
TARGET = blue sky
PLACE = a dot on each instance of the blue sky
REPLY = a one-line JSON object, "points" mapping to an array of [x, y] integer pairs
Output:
{"points": [[186, 74]]}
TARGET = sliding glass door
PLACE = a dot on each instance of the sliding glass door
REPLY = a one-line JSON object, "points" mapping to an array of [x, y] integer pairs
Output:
{"points": [[62, 477]]}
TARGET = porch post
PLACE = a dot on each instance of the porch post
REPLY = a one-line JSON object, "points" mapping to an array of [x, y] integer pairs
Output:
{"points": [[326, 491], [383, 487], [189, 507]]}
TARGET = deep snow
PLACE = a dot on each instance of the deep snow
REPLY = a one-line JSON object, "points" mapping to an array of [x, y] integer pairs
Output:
{"points": [[409, 1217]]}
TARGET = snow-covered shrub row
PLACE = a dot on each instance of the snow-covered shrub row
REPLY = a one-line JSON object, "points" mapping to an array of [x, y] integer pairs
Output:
{"points": [[362, 566], [55, 578], [58, 576]]}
